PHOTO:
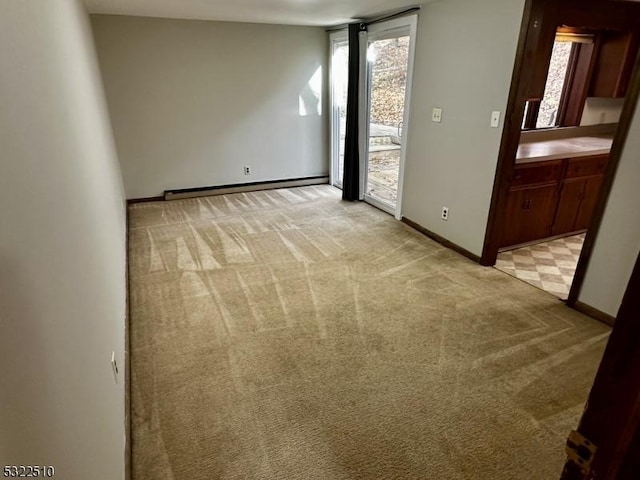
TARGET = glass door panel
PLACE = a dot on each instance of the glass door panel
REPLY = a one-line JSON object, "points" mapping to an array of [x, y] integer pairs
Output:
{"points": [[339, 83], [388, 62], [386, 59]]}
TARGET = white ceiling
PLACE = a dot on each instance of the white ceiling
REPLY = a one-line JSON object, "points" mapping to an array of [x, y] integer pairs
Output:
{"points": [[290, 12]]}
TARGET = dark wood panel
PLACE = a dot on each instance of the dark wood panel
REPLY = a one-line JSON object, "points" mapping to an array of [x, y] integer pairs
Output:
{"points": [[441, 240], [595, 313], [568, 206], [611, 418], [512, 224], [592, 186], [586, 166], [572, 104], [599, 14], [615, 53], [537, 173], [631, 464], [571, 188], [542, 57], [529, 214]]}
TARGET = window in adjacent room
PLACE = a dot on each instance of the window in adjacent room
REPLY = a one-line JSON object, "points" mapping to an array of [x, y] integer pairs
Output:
{"points": [[547, 113], [556, 82]]}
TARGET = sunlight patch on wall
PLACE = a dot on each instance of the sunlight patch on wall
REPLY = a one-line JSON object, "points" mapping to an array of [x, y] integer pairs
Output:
{"points": [[310, 99]]}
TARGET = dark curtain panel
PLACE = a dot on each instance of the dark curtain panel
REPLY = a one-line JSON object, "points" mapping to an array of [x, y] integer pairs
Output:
{"points": [[351, 179]]}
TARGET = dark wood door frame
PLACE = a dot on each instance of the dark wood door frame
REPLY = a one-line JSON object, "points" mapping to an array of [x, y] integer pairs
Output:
{"points": [[624, 125], [539, 23], [611, 419], [533, 34]]}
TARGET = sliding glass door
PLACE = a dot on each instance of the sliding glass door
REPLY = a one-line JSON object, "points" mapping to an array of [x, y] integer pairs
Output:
{"points": [[387, 76], [385, 85], [339, 74]]}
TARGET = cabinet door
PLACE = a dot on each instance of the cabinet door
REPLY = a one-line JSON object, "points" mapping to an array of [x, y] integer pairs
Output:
{"points": [[537, 173], [529, 214], [614, 64], [568, 206], [589, 202], [587, 166]]}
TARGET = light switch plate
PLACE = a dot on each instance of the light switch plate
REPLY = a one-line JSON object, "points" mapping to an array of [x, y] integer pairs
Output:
{"points": [[436, 115], [495, 119]]}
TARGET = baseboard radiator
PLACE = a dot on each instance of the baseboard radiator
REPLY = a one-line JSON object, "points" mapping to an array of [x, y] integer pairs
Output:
{"points": [[244, 187]]}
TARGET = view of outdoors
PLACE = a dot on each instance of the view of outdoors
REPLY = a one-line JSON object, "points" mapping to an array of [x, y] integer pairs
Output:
{"points": [[388, 60], [389, 79], [547, 117], [339, 79]]}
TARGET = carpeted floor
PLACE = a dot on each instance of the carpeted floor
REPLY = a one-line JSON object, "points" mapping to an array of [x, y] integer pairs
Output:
{"points": [[289, 335]]}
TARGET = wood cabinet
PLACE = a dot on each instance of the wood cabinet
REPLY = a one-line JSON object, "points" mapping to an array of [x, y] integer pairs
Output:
{"points": [[538, 173], [586, 166], [588, 202], [568, 206], [532, 201], [578, 199], [579, 193], [615, 57], [530, 213], [552, 198]]}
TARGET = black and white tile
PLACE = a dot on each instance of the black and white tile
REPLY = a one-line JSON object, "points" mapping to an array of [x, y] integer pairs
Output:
{"points": [[549, 265]]}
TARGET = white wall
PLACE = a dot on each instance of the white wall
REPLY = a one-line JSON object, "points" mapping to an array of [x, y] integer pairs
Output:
{"points": [[601, 110], [618, 241], [193, 102], [62, 248], [464, 62]]}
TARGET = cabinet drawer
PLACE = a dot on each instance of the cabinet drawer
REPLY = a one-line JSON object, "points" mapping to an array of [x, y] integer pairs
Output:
{"points": [[587, 166], [537, 173]]}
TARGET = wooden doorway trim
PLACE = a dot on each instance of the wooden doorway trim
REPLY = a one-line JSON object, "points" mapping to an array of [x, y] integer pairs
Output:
{"points": [[611, 420], [628, 111], [539, 23], [535, 33]]}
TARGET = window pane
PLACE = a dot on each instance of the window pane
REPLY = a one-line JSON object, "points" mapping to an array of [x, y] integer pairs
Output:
{"points": [[555, 84], [340, 83]]}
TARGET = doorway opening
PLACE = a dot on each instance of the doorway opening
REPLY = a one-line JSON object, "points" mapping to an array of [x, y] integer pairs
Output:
{"points": [[560, 151], [552, 200], [386, 66]]}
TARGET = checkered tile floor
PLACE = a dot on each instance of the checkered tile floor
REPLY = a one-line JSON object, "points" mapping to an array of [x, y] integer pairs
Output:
{"points": [[549, 265]]}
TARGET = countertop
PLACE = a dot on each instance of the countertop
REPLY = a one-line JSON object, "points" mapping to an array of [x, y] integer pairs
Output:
{"points": [[563, 148]]}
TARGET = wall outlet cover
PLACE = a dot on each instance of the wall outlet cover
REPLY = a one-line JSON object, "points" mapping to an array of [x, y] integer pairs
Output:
{"points": [[436, 115], [495, 119]]}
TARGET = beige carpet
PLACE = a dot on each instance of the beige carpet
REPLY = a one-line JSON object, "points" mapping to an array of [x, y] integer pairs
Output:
{"points": [[289, 335]]}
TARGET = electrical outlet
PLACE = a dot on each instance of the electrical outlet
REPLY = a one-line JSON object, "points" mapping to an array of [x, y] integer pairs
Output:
{"points": [[247, 170], [436, 115], [495, 119], [445, 213]]}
